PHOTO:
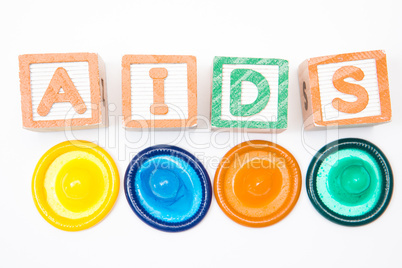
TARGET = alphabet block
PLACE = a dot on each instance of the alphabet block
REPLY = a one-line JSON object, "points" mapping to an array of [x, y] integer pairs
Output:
{"points": [[250, 94], [159, 91], [61, 91], [345, 90]]}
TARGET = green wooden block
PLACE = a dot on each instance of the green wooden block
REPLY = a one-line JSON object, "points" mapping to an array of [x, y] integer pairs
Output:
{"points": [[250, 93]]}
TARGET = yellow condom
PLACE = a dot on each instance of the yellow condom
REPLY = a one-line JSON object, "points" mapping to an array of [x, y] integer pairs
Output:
{"points": [[75, 185]]}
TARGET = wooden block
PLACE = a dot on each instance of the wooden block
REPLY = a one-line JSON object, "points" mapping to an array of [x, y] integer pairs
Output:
{"points": [[250, 94], [159, 91], [345, 90], [63, 91]]}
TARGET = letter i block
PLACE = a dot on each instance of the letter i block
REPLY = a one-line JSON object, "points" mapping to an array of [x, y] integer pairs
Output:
{"points": [[159, 91], [250, 94], [345, 90], [61, 91]]}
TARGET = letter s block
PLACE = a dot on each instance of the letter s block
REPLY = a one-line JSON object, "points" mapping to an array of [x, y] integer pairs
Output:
{"points": [[159, 91], [345, 90], [250, 94], [60, 91]]}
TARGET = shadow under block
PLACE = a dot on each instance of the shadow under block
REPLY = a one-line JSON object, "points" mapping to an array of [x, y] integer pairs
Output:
{"points": [[345, 90], [250, 94], [159, 91], [63, 91]]}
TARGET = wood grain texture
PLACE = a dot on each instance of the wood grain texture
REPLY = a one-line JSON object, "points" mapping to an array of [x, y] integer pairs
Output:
{"points": [[98, 115], [374, 104]]}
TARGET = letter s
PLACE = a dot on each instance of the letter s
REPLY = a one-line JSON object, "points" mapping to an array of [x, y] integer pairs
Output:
{"points": [[356, 90]]}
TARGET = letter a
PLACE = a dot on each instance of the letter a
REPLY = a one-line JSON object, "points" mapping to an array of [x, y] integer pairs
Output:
{"points": [[60, 80]]}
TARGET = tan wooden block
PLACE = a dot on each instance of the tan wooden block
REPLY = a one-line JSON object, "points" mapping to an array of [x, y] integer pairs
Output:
{"points": [[159, 91], [345, 90], [63, 91]]}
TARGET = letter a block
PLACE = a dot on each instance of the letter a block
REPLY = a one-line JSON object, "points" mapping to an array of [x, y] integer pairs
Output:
{"points": [[159, 91], [345, 90], [250, 94], [60, 91]]}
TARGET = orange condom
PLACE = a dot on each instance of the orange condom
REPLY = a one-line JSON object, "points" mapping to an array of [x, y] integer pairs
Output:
{"points": [[257, 183]]}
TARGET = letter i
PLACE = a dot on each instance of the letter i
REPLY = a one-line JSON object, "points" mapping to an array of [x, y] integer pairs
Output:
{"points": [[158, 76]]}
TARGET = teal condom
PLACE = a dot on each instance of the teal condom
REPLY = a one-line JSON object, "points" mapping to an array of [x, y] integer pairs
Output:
{"points": [[350, 182]]}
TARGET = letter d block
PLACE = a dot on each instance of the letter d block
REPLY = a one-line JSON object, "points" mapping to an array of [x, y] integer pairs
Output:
{"points": [[345, 90], [62, 91], [250, 94], [159, 91]]}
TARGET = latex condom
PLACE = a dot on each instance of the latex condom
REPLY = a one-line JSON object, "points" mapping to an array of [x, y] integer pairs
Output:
{"points": [[257, 183], [75, 184], [168, 188], [350, 182]]}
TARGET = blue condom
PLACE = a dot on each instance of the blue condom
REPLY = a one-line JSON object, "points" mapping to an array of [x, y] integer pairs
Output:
{"points": [[168, 188]]}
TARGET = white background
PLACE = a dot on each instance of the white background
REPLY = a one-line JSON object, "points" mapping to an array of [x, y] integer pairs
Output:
{"points": [[293, 30]]}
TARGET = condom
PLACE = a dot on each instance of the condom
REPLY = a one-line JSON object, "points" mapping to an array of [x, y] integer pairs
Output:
{"points": [[168, 188], [75, 184], [350, 182], [257, 183]]}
